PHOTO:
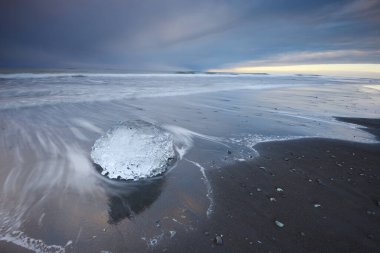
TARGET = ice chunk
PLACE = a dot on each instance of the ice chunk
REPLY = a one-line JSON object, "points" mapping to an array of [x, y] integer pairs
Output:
{"points": [[134, 150]]}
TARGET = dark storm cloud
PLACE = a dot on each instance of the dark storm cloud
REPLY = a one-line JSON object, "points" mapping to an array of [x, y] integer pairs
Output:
{"points": [[178, 34]]}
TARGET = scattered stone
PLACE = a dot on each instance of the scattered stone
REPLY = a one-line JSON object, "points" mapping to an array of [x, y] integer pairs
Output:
{"points": [[279, 189], [258, 189], [279, 224], [369, 212], [370, 236], [272, 199], [251, 193], [218, 240], [172, 233], [242, 185], [317, 205]]}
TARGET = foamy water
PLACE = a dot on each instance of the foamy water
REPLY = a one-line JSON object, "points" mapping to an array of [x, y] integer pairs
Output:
{"points": [[34, 89], [54, 127]]}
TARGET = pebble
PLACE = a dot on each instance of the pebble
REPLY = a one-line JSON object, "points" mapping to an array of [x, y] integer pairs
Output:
{"points": [[279, 189], [218, 240], [279, 224], [272, 199], [371, 212], [286, 158], [229, 152], [317, 205]]}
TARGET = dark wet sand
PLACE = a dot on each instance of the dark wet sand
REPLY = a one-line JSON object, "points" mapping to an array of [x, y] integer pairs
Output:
{"points": [[329, 203]]}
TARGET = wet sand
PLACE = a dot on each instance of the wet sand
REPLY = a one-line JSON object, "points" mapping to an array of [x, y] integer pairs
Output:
{"points": [[52, 194], [324, 192]]}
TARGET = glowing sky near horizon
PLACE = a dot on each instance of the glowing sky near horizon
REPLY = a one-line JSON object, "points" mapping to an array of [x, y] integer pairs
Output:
{"points": [[351, 70]]}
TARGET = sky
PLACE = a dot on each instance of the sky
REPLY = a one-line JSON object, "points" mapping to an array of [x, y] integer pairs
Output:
{"points": [[199, 35]]}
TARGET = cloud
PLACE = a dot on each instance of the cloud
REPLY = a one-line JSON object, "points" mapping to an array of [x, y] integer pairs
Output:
{"points": [[180, 34]]}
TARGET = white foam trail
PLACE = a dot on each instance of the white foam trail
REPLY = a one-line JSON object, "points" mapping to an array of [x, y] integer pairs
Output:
{"points": [[183, 138], [249, 141], [19, 238], [42, 162], [209, 194]]}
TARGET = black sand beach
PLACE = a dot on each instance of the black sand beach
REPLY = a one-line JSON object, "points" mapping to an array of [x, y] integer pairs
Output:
{"points": [[262, 170], [324, 195]]}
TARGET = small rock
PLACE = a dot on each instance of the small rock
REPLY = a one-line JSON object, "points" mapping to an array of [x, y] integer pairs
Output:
{"points": [[317, 205], [279, 224], [279, 189], [302, 234], [371, 212], [272, 199], [258, 189], [370, 236], [218, 240], [286, 158], [229, 152]]}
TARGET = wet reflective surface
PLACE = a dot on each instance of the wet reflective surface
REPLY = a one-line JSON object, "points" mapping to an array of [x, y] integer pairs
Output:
{"points": [[53, 198]]}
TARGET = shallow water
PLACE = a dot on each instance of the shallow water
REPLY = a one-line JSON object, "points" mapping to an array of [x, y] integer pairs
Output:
{"points": [[53, 198]]}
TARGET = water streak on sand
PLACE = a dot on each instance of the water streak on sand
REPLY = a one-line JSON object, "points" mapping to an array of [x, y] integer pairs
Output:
{"points": [[209, 194]]}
